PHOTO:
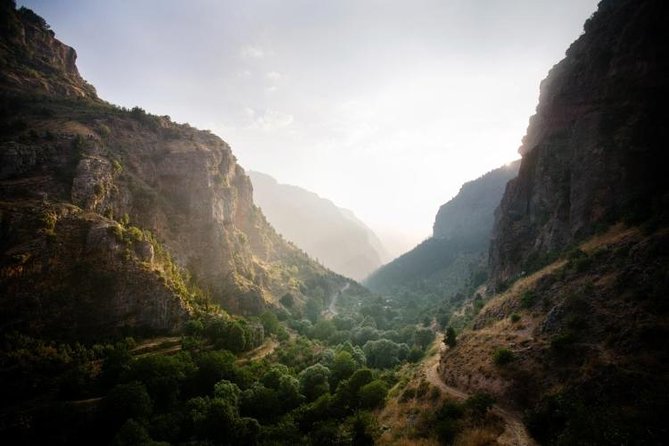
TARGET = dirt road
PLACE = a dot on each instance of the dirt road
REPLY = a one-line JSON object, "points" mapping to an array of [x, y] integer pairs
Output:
{"points": [[514, 433]]}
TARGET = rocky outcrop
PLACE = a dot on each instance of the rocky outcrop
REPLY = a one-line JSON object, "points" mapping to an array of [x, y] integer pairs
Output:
{"points": [[593, 150], [33, 59], [325, 231], [68, 273], [175, 198]]}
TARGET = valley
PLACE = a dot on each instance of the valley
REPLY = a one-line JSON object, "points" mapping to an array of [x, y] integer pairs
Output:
{"points": [[152, 292]]}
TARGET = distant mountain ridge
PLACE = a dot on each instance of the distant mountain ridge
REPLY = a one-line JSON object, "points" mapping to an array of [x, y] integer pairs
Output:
{"points": [[442, 264], [333, 235]]}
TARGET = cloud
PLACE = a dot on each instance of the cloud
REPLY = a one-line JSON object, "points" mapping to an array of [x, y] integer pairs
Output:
{"points": [[251, 52], [269, 120], [273, 76]]}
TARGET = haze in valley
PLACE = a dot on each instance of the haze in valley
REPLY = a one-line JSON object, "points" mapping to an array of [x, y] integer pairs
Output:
{"points": [[384, 107]]}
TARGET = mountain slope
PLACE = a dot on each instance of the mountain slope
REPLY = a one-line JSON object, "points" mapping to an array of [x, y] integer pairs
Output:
{"points": [[592, 150], [575, 338], [326, 232], [441, 265], [98, 202]]}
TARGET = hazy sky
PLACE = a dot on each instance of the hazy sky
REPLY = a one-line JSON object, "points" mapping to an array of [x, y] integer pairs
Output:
{"points": [[384, 107]]}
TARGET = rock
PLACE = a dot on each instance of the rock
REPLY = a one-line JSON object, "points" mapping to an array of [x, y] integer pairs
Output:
{"points": [[592, 150]]}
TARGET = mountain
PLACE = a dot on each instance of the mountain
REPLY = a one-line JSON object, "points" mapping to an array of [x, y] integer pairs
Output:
{"points": [[574, 331], [325, 231], [592, 154], [442, 264], [114, 219]]}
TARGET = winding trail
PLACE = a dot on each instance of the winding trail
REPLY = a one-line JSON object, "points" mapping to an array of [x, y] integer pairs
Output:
{"points": [[331, 310], [514, 433]]}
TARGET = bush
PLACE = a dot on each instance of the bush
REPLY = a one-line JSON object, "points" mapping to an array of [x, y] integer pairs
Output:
{"points": [[373, 394], [128, 401], [450, 338], [528, 299], [515, 317], [503, 356], [479, 404]]}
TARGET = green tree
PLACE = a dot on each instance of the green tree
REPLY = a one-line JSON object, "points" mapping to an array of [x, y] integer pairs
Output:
{"points": [[212, 368], [385, 353], [126, 401], [288, 392], [450, 338], [131, 433], [343, 367], [423, 337], [227, 391], [270, 322], [323, 329], [373, 394], [314, 381], [260, 402]]}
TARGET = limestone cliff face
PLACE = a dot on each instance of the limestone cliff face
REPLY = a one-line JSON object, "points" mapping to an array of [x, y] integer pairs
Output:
{"points": [[161, 210], [593, 150], [33, 59]]}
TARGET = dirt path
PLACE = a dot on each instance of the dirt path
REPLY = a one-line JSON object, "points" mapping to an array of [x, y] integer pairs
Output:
{"points": [[514, 433], [266, 349], [162, 345], [331, 310]]}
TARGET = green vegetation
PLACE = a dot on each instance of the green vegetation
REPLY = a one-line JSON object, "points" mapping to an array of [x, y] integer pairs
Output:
{"points": [[317, 384], [502, 356]]}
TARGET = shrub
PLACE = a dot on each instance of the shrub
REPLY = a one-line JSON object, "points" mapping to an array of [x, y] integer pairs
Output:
{"points": [[528, 299], [503, 356], [450, 338], [373, 394], [479, 404], [515, 317]]}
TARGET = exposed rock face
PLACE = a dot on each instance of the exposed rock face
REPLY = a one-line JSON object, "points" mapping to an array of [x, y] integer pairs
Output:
{"points": [[65, 272], [33, 59], [179, 206], [593, 150], [326, 232]]}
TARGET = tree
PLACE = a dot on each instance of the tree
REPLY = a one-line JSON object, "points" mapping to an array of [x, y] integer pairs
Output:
{"points": [[288, 392], [131, 433], [423, 337], [260, 402], [313, 309], [385, 353], [212, 368], [450, 338], [227, 391], [126, 401], [373, 394], [270, 322], [314, 381], [343, 366]]}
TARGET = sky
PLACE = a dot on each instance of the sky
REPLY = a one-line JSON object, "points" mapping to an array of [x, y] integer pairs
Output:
{"points": [[384, 107]]}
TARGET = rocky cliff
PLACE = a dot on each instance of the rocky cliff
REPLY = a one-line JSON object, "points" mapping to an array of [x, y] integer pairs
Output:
{"points": [[325, 231], [593, 153], [573, 332], [130, 218]]}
